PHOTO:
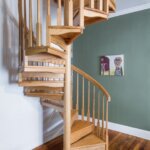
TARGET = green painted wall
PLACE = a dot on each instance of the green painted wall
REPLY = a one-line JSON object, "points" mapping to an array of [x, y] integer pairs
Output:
{"points": [[128, 35]]}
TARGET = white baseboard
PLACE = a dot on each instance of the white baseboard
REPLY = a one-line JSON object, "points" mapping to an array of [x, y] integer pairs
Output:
{"points": [[126, 129]]}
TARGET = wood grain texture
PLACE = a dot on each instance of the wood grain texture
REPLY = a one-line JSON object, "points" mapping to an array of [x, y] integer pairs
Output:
{"points": [[117, 141]]}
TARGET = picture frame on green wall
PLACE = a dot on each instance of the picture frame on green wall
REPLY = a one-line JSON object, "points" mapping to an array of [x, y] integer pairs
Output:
{"points": [[112, 65]]}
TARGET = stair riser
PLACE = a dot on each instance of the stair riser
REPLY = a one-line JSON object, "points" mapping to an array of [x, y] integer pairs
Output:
{"points": [[44, 84], [81, 133], [95, 147], [43, 69]]}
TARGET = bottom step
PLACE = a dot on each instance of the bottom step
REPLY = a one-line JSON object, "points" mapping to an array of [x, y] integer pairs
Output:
{"points": [[90, 142]]}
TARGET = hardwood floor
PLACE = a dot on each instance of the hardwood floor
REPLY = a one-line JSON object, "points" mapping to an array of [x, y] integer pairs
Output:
{"points": [[117, 141], [120, 141]]}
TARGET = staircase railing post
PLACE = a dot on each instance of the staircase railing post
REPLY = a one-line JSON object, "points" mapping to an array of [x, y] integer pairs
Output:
{"points": [[48, 22], [81, 13], [106, 6], [59, 16], [38, 25], [68, 12], [30, 43], [20, 32], [107, 136]]}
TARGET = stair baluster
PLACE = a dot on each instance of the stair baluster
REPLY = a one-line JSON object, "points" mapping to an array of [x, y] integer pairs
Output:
{"points": [[20, 33], [100, 5], [30, 25], [48, 22], [93, 119], [88, 109], [25, 28], [82, 98], [98, 116], [81, 5], [39, 25], [91, 3], [103, 116], [77, 97], [106, 6], [59, 15], [107, 136]]}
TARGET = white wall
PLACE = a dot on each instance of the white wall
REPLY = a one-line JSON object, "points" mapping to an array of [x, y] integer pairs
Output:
{"points": [[23, 123], [21, 118]]}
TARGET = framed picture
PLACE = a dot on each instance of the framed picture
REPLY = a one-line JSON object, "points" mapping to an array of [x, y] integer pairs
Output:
{"points": [[112, 65]]}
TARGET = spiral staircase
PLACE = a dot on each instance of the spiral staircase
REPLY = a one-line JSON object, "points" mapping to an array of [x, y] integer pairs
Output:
{"points": [[45, 70]]}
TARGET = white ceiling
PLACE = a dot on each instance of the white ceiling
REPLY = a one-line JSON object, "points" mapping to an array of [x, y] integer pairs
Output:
{"points": [[130, 6], [126, 4]]}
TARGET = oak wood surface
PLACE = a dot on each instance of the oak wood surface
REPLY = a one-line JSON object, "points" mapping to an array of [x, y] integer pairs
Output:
{"points": [[117, 141]]}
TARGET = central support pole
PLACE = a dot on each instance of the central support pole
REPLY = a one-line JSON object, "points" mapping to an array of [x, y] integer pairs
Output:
{"points": [[68, 21], [67, 104]]}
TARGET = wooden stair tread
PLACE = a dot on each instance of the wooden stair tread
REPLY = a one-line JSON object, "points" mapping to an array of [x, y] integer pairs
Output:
{"points": [[80, 129], [40, 69], [76, 4], [95, 10], [90, 16], [88, 142], [45, 58], [42, 83], [45, 49], [41, 75], [49, 95], [67, 33], [45, 89]]}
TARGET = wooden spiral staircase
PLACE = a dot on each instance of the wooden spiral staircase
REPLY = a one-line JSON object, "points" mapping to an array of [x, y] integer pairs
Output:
{"points": [[45, 70]]}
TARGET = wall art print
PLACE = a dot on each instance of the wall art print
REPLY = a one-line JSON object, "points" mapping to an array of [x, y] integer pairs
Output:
{"points": [[112, 65]]}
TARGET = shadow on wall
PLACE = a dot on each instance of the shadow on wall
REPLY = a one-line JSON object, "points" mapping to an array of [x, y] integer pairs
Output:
{"points": [[10, 40], [52, 121]]}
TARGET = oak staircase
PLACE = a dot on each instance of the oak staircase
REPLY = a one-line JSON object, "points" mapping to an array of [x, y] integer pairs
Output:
{"points": [[45, 69]]}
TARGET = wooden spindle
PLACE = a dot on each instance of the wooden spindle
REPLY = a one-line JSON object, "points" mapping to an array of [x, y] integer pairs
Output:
{"points": [[88, 111], [59, 16], [103, 115], [107, 137], [100, 5], [25, 24], [39, 25], [68, 12], [92, 3], [81, 13], [106, 6], [82, 98], [77, 90], [93, 105], [98, 116], [20, 33], [71, 94], [30, 43], [48, 22]]}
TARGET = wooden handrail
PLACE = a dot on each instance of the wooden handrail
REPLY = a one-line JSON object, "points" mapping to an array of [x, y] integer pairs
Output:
{"points": [[89, 78]]}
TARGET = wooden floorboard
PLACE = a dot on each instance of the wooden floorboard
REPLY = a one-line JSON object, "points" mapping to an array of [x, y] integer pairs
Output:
{"points": [[117, 141]]}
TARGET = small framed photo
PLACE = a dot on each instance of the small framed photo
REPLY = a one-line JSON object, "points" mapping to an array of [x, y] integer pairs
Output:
{"points": [[112, 65]]}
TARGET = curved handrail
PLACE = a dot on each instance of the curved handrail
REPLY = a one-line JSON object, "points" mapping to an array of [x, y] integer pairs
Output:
{"points": [[88, 77]]}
